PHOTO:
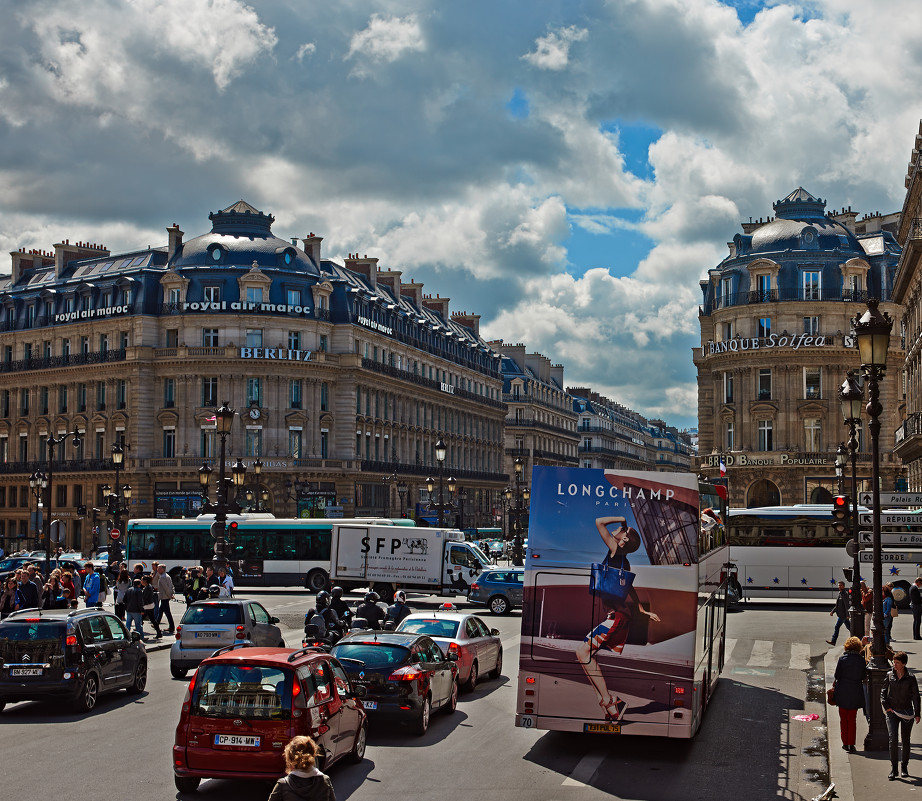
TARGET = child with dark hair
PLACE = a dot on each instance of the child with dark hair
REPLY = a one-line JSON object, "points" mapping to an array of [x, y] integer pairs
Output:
{"points": [[303, 782]]}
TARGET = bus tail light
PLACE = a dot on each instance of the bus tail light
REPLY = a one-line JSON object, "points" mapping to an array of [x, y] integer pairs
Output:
{"points": [[530, 680]]}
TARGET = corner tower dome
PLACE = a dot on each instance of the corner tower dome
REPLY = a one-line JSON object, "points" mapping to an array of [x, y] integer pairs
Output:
{"points": [[241, 235], [800, 223]]}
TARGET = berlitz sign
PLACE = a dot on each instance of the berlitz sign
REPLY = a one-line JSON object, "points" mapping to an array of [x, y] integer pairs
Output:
{"points": [[795, 341], [745, 460], [276, 354]]}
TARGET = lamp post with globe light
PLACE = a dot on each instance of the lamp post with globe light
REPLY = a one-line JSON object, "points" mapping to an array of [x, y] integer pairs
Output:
{"points": [[872, 331], [851, 398]]}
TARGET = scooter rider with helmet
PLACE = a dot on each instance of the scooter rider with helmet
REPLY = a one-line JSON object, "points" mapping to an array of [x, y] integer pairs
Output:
{"points": [[340, 606], [331, 620], [370, 611], [398, 610]]}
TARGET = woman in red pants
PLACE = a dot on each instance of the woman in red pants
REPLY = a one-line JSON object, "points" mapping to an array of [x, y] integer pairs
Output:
{"points": [[849, 690]]}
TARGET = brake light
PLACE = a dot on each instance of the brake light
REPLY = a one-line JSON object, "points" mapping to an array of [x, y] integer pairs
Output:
{"points": [[240, 633], [475, 587], [408, 673], [296, 689], [454, 649], [189, 688], [178, 632], [71, 639], [530, 679], [33, 620]]}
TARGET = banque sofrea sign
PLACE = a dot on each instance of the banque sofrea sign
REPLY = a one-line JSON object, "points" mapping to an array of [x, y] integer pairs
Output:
{"points": [[795, 341]]}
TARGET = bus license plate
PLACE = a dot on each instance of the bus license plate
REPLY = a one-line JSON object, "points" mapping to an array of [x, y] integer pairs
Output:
{"points": [[236, 739], [369, 704], [25, 671], [602, 728]]}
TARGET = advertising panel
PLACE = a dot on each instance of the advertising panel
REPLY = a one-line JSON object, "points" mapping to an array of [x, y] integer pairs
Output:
{"points": [[612, 591]]}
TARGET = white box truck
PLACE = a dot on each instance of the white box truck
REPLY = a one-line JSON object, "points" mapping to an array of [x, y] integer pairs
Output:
{"points": [[388, 558]]}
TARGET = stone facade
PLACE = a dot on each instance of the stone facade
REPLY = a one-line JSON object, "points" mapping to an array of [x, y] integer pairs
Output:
{"points": [[776, 342]]}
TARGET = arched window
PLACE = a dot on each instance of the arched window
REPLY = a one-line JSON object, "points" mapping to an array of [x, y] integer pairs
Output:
{"points": [[763, 493]]}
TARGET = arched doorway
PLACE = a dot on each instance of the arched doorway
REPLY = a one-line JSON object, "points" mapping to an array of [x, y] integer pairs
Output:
{"points": [[820, 495], [763, 493]]}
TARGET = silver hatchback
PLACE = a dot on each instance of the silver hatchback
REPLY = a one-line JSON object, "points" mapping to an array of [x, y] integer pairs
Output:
{"points": [[209, 625]]}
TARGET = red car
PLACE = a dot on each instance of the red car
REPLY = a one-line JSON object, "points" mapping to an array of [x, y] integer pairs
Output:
{"points": [[244, 704]]}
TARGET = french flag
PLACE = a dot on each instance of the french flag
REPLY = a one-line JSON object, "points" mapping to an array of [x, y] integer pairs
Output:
{"points": [[723, 467]]}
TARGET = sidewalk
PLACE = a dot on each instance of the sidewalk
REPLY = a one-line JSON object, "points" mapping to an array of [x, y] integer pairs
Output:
{"points": [[864, 774]]}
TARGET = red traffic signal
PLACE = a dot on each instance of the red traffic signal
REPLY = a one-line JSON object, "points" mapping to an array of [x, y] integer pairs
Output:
{"points": [[115, 534], [840, 514]]}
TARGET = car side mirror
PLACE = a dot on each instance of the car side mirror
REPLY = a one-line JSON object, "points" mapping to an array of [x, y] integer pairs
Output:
{"points": [[494, 632], [273, 620], [136, 636]]}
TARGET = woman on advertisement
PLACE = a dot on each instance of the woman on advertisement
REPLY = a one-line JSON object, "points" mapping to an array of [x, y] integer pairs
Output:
{"points": [[623, 604]]}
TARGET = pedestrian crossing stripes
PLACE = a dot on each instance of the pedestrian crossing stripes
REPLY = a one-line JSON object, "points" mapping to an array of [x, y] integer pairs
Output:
{"points": [[766, 654]]}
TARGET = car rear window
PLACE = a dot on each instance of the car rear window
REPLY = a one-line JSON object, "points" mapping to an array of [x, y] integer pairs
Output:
{"points": [[431, 626], [42, 641], [207, 614], [371, 654], [248, 692]]}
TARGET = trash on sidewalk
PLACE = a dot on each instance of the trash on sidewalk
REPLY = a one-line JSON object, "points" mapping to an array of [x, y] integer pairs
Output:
{"points": [[805, 718], [828, 794]]}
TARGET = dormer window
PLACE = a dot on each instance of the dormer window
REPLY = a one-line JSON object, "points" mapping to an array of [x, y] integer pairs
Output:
{"points": [[215, 254]]}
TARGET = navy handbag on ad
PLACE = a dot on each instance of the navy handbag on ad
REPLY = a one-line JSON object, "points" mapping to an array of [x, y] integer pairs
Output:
{"points": [[612, 584]]}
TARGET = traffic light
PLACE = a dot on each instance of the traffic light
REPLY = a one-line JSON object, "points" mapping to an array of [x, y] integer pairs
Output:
{"points": [[217, 530], [840, 514]]}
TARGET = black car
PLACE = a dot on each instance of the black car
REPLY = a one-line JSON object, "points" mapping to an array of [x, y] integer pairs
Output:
{"points": [[71, 655], [399, 677]]}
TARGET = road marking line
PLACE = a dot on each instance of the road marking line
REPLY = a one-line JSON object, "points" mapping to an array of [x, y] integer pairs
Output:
{"points": [[584, 771], [800, 656], [761, 654], [729, 645]]}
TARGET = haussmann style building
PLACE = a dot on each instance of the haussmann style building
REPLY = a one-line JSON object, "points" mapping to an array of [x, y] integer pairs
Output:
{"points": [[344, 376], [776, 342]]}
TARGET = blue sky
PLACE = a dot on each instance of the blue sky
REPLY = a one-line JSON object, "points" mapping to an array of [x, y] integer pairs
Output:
{"points": [[567, 169]]}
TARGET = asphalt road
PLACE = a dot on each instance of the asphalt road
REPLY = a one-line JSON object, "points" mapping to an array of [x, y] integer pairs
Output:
{"points": [[749, 746]]}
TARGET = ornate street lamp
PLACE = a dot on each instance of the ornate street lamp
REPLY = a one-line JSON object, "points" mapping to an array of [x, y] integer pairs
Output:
{"points": [[224, 419], [872, 331], [115, 507], [441, 451], [851, 399], [402, 489], [37, 484], [52, 443]]}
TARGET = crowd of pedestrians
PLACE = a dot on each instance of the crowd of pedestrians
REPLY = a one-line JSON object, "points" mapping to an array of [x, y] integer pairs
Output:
{"points": [[899, 696], [27, 588]]}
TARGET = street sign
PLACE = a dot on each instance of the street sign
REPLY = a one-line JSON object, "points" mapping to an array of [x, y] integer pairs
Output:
{"points": [[897, 499], [889, 538], [115, 534], [892, 519], [892, 556]]}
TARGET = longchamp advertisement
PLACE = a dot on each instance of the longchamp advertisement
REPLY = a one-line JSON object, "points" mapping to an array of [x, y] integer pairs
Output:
{"points": [[613, 555]]}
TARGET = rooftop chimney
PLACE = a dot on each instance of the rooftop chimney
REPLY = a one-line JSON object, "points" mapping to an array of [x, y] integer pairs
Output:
{"points": [[368, 268], [175, 243], [312, 247]]}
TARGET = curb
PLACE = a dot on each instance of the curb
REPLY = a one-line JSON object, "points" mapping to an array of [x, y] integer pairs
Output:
{"points": [[840, 768]]}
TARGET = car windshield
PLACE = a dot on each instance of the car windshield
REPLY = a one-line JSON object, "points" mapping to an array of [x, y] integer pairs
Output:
{"points": [[211, 613], [371, 654], [431, 626], [481, 555], [248, 692]]}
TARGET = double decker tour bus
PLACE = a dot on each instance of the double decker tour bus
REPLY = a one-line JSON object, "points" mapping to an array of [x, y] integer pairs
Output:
{"points": [[625, 602], [264, 550]]}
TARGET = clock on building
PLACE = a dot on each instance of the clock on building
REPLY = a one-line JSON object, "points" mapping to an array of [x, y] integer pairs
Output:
{"points": [[255, 413]]}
